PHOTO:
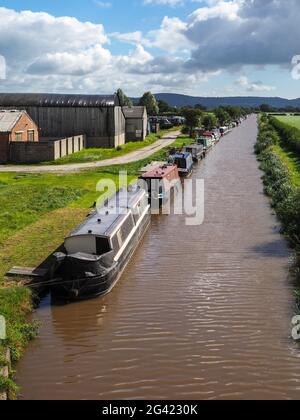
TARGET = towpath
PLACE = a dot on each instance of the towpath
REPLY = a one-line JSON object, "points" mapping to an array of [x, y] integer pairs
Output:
{"points": [[140, 154]]}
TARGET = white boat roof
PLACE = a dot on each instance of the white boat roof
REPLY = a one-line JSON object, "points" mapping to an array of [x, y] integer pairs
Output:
{"points": [[106, 219]]}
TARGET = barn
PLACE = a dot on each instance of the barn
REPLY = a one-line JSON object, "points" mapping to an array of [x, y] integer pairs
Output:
{"points": [[99, 117], [136, 123]]}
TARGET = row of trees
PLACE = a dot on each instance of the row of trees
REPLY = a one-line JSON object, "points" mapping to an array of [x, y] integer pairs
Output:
{"points": [[195, 116], [223, 115], [148, 100]]}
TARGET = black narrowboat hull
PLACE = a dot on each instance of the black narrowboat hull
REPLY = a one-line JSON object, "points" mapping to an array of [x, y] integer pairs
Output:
{"points": [[199, 158], [92, 287]]}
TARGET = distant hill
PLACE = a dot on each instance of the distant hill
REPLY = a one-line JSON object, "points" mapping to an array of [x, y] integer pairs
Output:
{"points": [[174, 99]]}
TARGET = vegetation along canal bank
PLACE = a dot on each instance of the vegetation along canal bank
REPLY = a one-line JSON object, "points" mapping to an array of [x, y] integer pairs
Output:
{"points": [[278, 150], [37, 212]]}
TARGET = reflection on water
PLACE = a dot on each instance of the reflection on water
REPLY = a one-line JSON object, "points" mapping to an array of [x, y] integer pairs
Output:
{"points": [[200, 313]]}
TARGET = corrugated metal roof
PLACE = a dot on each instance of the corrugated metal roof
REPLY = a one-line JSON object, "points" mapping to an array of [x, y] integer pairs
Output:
{"points": [[8, 119], [57, 100], [134, 111]]}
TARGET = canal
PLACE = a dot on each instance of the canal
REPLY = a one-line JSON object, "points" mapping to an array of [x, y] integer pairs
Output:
{"points": [[200, 313]]}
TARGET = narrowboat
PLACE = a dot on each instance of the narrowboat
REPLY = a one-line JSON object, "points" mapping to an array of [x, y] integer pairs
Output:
{"points": [[225, 130], [217, 134], [206, 142], [97, 252], [211, 135], [196, 150], [159, 182], [184, 162]]}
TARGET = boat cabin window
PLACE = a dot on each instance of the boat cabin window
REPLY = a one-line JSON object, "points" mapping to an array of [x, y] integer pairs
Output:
{"points": [[141, 206], [137, 213], [127, 227], [102, 246], [116, 242], [143, 203]]}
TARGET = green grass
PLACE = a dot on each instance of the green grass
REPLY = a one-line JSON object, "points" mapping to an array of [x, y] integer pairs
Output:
{"points": [[291, 120], [292, 161], [37, 211], [95, 155], [280, 162]]}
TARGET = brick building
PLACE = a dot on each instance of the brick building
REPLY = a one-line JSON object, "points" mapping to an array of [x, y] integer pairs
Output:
{"points": [[15, 126]]}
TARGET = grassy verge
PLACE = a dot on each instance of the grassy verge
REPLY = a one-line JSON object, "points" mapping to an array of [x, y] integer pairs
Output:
{"points": [[292, 162], [288, 132], [95, 155], [291, 120], [281, 167], [37, 211]]}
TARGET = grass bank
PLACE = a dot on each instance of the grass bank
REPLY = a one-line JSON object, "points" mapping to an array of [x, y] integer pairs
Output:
{"points": [[37, 211], [290, 120], [95, 155], [288, 132], [281, 167]]}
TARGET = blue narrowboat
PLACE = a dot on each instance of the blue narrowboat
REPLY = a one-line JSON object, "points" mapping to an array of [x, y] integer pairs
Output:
{"points": [[184, 162]]}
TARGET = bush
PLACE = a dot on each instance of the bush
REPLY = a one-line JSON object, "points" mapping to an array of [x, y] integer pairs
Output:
{"points": [[185, 130], [285, 197]]}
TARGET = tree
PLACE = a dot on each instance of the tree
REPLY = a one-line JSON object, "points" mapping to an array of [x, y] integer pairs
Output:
{"points": [[201, 107], [266, 108], [209, 121], [164, 107], [192, 118], [149, 101], [235, 112], [222, 116], [124, 100]]}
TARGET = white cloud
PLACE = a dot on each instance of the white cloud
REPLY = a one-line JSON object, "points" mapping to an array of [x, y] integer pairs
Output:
{"points": [[48, 53], [72, 63], [171, 36], [164, 2], [217, 9], [257, 87], [244, 32]]}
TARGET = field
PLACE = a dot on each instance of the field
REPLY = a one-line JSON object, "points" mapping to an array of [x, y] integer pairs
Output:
{"points": [[293, 121]]}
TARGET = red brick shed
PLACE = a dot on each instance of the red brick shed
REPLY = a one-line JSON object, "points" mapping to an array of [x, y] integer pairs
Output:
{"points": [[15, 126]]}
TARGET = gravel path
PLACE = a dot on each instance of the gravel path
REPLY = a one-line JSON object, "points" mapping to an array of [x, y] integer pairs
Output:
{"points": [[140, 154]]}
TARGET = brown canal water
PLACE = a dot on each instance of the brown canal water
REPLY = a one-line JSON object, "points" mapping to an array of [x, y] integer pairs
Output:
{"points": [[200, 313]]}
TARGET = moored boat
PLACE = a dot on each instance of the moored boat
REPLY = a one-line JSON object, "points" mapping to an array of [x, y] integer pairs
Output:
{"points": [[206, 142], [98, 251], [159, 181], [184, 162], [196, 150]]}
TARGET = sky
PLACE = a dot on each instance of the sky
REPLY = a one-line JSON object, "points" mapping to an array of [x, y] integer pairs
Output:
{"points": [[193, 47]]}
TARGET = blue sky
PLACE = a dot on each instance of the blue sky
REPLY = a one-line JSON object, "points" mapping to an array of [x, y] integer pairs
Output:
{"points": [[205, 48], [116, 15]]}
